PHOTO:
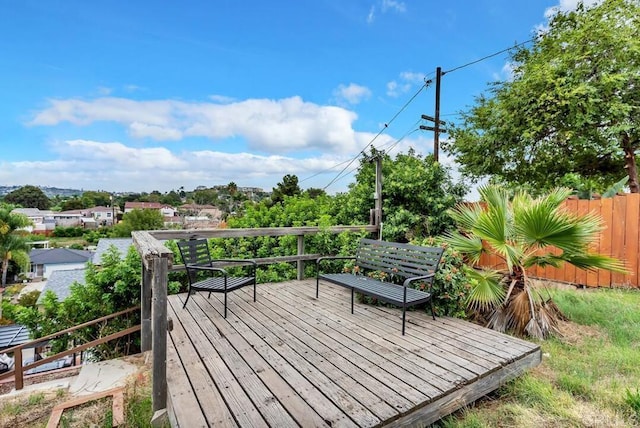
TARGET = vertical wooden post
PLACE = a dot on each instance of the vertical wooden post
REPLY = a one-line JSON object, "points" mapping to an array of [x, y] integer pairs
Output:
{"points": [[300, 262], [378, 195], [145, 309], [159, 279], [17, 366]]}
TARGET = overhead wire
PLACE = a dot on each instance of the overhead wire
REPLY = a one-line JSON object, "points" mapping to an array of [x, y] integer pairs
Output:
{"points": [[427, 82], [386, 125]]}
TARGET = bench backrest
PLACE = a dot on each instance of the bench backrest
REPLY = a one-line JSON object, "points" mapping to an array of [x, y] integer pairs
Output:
{"points": [[398, 259]]}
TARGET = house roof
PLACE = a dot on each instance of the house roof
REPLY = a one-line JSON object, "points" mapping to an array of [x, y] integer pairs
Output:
{"points": [[42, 256], [146, 205], [60, 283], [12, 335], [121, 244], [32, 212]]}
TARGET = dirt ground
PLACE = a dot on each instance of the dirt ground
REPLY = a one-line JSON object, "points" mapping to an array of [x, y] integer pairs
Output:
{"points": [[33, 410]]}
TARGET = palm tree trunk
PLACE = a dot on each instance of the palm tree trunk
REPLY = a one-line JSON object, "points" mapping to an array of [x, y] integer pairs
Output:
{"points": [[5, 266]]}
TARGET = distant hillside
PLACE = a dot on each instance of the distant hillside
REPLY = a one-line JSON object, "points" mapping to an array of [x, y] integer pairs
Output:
{"points": [[49, 191]]}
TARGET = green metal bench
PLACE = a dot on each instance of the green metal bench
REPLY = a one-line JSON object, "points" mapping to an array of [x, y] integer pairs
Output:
{"points": [[400, 262]]}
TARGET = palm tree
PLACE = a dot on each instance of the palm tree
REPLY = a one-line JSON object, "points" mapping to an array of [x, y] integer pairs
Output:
{"points": [[524, 232], [12, 238]]}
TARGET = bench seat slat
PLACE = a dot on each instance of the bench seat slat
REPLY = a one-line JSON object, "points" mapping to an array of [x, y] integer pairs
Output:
{"points": [[385, 291]]}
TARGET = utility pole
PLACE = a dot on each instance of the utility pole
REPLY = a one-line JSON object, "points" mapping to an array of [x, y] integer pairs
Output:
{"points": [[436, 131], [436, 120]]}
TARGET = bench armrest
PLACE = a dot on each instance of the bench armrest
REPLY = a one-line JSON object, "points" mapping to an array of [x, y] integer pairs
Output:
{"points": [[419, 278]]}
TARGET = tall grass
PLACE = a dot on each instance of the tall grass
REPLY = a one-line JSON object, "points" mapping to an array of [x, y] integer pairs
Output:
{"points": [[588, 377]]}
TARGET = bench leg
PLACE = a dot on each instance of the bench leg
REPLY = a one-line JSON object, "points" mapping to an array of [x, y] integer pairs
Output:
{"points": [[254, 290], [317, 286], [404, 318], [225, 304], [433, 314], [352, 298]]}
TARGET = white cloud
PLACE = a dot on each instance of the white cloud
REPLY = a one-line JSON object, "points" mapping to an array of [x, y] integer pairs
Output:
{"points": [[568, 5], [384, 7], [404, 83], [221, 99], [397, 6], [273, 126], [113, 166], [372, 15], [351, 93]]}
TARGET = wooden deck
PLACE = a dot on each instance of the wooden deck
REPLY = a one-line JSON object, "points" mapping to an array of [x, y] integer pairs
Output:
{"points": [[290, 359]]}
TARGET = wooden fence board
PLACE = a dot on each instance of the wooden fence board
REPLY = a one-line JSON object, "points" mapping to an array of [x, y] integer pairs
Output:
{"points": [[631, 239], [606, 238]]}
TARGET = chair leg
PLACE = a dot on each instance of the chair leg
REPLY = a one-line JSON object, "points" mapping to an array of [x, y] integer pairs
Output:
{"points": [[317, 286], [187, 299], [433, 314], [254, 290]]}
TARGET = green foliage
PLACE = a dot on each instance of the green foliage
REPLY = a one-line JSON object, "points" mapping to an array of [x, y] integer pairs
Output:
{"points": [[146, 219], [109, 288], [29, 299], [68, 232], [632, 398], [28, 197], [93, 236], [13, 241], [287, 187], [570, 107], [416, 195]]}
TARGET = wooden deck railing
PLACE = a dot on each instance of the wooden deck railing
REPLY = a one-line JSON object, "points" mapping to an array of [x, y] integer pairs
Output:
{"points": [[157, 261], [19, 369]]}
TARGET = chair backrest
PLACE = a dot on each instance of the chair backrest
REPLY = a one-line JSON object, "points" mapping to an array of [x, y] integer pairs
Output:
{"points": [[398, 259], [194, 252]]}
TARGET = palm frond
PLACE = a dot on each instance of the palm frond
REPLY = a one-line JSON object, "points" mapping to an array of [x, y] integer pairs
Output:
{"points": [[592, 261], [498, 320], [470, 246], [487, 292], [466, 216]]}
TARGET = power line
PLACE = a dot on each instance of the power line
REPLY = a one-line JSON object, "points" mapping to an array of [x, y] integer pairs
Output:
{"points": [[386, 125], [489, 56]]}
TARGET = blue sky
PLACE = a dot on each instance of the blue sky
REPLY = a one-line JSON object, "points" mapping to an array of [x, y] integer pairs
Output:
{"points": [[155, 95]]}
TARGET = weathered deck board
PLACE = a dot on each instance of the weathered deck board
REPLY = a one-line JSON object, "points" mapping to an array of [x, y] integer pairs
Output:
{"points": [[290, 359]]}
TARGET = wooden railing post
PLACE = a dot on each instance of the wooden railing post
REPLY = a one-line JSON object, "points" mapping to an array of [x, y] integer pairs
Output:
{"points": [[159, 280], [145, 309], [17, 365], [300, 263]]}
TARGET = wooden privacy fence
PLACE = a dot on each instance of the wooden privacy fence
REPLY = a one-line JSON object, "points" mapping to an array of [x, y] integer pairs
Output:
{"points": [[619, 238]]}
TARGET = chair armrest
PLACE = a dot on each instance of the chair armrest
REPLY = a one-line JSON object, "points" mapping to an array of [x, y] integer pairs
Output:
{"points": [[238, 261], [206, 268]]}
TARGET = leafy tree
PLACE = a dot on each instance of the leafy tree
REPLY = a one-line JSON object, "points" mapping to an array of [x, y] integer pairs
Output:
{"points": [[28, 197], [313, 192], [171, 198], [92, 198], [572, 106], [416, 194], [205, 197], [111, 287], [146, 219], [74, 203], [287, 187], [523, 232]]}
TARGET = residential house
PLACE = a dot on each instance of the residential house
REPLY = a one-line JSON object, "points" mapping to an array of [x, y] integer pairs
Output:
{"points": [[105, 216], [122, 245], [42, 220], [44, 261], [165, 210], [60, 282], [201, 216]]}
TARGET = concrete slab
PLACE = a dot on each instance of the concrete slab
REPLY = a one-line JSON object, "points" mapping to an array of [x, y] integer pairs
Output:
{"points": [[51, 385], [101, 376]]}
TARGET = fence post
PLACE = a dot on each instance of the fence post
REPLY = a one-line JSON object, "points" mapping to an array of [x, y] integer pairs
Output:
{"points": [[145, 309], [159, 279], [17, 366], [300, 263]]}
